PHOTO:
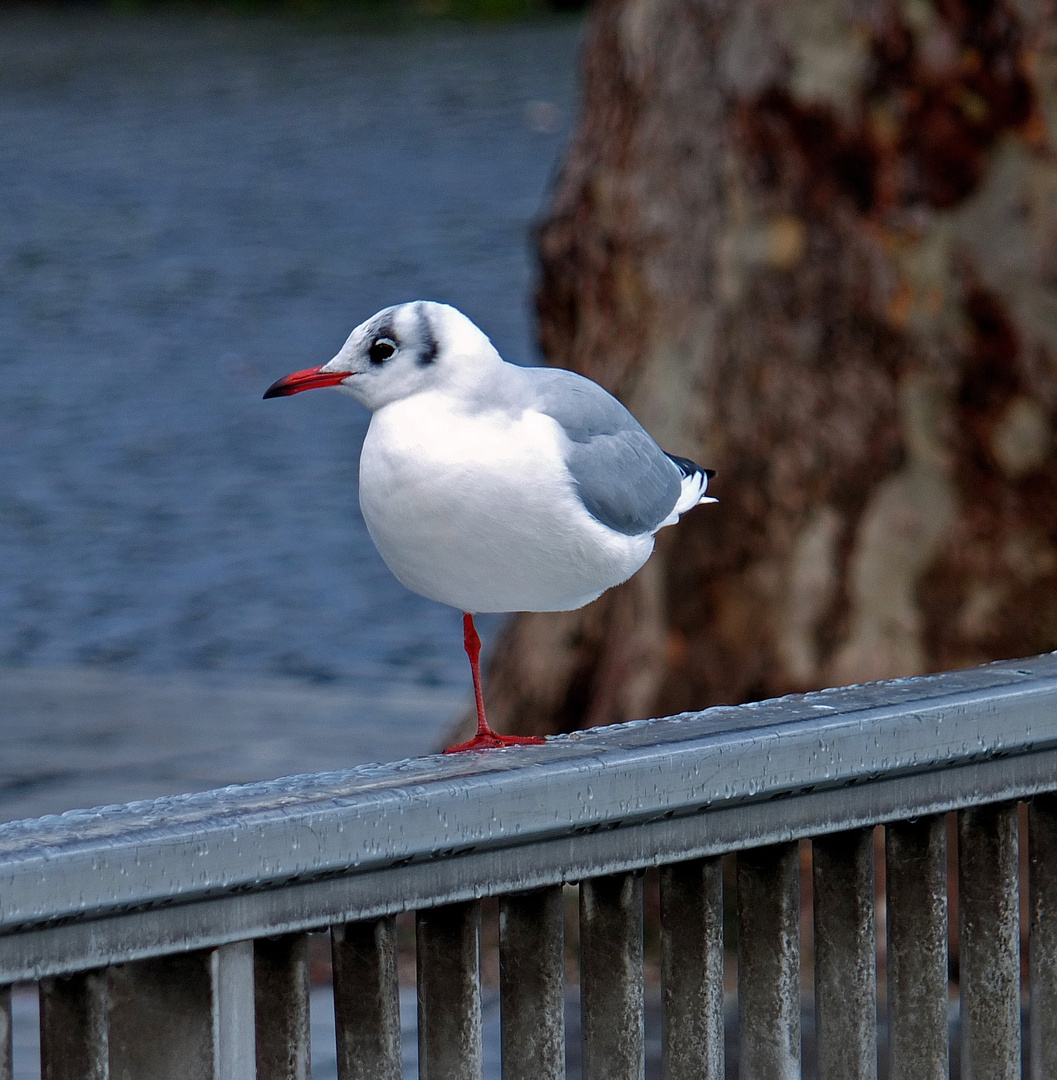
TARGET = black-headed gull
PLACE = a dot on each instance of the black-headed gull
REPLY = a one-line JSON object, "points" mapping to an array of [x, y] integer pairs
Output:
{"points": [[492, 487]]}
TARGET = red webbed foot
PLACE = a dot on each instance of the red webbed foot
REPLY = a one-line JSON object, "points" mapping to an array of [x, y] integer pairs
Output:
{"points": [[492, 740]]}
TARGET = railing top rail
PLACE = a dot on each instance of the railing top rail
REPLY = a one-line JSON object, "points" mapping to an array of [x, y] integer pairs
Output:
{"points": [[308, 850]]}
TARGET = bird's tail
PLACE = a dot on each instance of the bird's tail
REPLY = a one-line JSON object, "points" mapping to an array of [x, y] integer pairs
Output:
{"points": [[694, 486]]}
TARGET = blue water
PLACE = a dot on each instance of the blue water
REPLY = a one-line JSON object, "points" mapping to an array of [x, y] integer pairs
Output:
{"points": [[190, 207]]}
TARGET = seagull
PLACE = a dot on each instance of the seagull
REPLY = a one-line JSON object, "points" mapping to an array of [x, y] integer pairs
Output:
{"points": [[492, 487]]}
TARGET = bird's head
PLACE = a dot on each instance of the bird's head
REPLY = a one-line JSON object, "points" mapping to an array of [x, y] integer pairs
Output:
{"points": [[403, 350]]}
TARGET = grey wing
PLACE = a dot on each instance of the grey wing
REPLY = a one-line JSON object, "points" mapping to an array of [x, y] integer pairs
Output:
{"points": [[623, 477]]}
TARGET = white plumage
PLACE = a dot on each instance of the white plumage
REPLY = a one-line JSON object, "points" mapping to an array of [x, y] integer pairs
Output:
{"points": [[479, 510]]}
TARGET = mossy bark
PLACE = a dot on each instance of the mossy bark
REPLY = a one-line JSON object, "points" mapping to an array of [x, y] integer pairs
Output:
{"points": [[814, 246]]}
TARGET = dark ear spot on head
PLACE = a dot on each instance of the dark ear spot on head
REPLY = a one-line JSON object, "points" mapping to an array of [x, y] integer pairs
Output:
{"points": [[428, 346]]}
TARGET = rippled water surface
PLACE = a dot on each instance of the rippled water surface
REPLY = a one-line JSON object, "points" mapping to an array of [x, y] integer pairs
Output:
{"points": [[189, 208]]}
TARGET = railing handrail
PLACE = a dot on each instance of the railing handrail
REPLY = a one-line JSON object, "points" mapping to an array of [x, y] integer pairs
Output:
{"points": [[119, 883]]}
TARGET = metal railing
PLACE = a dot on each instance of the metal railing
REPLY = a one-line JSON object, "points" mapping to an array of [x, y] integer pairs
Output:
{"points": [[169, 937]]}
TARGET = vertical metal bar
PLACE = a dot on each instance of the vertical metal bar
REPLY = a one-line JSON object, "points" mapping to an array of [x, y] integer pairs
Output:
{"points": [[1042, 862], [366, 1000], [532, 985], [611, 978], [280, 991], [989, 942], [692, 970], [449, 992], [7, 1063], [845, 956], [234, 1035], [184, 1016], [73, 1027], [916, 876], [769, 962]]}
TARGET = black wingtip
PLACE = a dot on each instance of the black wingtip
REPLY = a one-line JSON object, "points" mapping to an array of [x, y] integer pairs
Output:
{"points": [[688, 467]]}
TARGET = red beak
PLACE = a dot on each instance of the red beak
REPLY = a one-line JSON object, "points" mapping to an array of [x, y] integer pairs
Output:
{"points": [[310, 379]]}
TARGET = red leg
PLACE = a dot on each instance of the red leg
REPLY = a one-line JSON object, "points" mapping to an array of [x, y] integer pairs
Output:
{"points": [[486, 738]]}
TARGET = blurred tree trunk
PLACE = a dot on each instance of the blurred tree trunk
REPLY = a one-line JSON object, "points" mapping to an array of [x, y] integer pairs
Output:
{"points": [[812, 244]]}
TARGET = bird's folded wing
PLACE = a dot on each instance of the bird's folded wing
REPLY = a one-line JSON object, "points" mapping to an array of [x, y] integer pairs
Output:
{"points": [[622, 476]]}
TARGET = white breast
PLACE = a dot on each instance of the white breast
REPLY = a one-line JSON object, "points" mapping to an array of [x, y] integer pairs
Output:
{"points": [[477, 510]]}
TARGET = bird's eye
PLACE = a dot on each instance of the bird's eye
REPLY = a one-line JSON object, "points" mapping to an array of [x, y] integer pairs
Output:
{"points": [[381, 350]]}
